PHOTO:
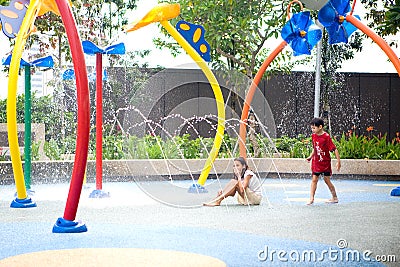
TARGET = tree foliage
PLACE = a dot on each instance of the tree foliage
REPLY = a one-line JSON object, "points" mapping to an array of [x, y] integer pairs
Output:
{"points": [[237, 31], [98, 21], [384, 17], [43, 111]]}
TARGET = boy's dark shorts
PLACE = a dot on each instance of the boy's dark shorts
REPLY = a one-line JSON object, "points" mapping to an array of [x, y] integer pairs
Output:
{"points": [[323, 173]]}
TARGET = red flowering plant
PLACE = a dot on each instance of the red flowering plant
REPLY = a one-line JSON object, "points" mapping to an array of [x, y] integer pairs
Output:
{"points": [[397, 139], [368, 146]]}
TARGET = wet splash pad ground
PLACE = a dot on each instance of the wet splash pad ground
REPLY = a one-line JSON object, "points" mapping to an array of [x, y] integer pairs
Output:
{"points": [[364, 220]]}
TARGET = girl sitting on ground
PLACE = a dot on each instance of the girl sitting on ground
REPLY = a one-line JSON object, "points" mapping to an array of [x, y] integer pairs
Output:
{"points": [[245, 183]]}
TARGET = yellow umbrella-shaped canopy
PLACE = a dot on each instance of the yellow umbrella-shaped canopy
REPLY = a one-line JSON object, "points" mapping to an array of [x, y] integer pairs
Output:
{"points": [[161, 12]]}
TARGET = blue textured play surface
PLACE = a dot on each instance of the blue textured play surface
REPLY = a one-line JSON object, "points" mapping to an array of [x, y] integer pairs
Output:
{"points": [[234, 248], [30, 230]]}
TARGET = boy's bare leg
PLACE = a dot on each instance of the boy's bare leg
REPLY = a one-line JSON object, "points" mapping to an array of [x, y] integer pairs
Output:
{"points": [[313, 188], [229, 190], [331, 187]]}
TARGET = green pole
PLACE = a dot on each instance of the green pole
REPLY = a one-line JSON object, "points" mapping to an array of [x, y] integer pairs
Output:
{"points": [[28, 129]]}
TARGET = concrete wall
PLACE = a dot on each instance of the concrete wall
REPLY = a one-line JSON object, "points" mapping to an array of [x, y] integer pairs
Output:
{"points": [[116, 170]]}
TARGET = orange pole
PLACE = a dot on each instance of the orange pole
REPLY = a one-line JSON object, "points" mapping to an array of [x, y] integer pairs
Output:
{"points": [[377, 39], [249, 97], [290, 5]]}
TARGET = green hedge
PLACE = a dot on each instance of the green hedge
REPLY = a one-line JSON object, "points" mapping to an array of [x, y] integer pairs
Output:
{"points": [[179, 147]]}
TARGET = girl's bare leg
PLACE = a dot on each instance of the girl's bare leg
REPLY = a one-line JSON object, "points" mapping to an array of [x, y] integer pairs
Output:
{"points": [[228, 191]]}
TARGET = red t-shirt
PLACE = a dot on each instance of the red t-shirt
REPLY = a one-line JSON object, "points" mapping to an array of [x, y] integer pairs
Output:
{"points": [[322, 144]]}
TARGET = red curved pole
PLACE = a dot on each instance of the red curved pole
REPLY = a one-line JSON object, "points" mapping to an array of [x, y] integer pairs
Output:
{"points": [[249, 97], [82, 136], [377, 39]]}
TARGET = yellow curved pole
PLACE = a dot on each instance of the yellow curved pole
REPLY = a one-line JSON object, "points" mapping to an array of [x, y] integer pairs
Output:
{"points": [[217, 93], [12, 98], [162, 13]]}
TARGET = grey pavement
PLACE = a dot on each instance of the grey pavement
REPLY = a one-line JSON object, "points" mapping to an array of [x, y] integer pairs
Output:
{"points": [[365, 223]]}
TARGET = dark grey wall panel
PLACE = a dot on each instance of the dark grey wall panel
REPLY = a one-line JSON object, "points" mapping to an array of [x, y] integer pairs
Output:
{"points": [[359, 100]]}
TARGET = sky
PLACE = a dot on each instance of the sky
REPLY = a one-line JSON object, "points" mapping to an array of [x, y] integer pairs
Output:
{"points": [[371, 60]]}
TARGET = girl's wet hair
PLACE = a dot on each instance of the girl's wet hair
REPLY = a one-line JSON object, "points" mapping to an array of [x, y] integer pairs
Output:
{"points": [[244, 163]]}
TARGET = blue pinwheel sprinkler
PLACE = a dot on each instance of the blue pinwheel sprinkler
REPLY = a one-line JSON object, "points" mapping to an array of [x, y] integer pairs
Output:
{"points": [[333, 17], [301, 32]]}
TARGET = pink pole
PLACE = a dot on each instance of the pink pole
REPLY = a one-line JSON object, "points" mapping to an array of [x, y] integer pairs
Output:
{"points": [[99, 121]]}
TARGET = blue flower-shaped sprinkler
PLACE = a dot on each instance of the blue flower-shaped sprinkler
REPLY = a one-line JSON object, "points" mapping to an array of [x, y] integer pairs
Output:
{"points": [[333, 17], [300, 32]]}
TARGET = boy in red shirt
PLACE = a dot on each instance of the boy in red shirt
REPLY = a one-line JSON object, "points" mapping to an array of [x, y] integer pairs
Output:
{"points": [[321, 160]]}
